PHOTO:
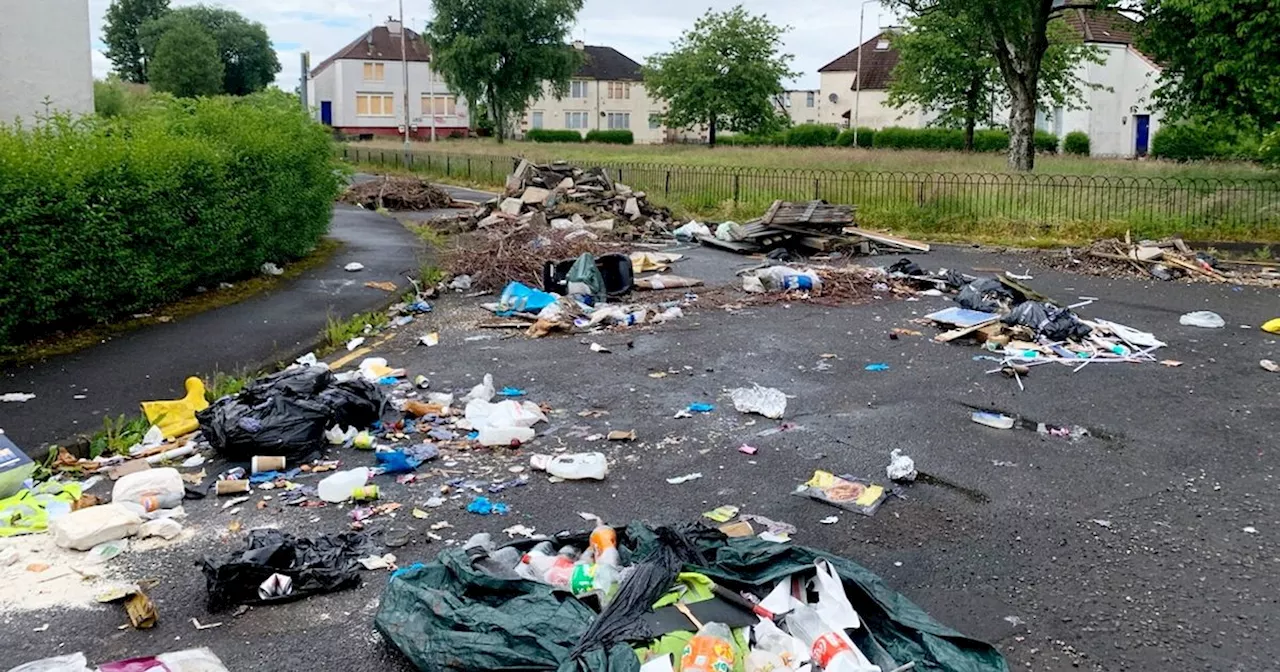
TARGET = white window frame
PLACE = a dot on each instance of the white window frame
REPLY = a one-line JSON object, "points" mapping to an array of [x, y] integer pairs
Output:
{"points": [[572, 119], [810, 99], [612, 119], [386, 104], [449, 108], [372, 71], [655, 122], [578, 88], [536, 119]]}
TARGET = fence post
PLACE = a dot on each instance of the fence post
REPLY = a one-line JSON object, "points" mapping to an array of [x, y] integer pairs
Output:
{"points": [[448, 165], [410, 161], [619, 175], [666, 188], [344, 152], [428, 163], [382, 158], [735, 188], [468, 167], [815, 189], [398, 159]]}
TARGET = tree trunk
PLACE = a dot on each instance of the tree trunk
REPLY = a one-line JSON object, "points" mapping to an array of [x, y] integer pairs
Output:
{"points": [[1022, 129], [971, 111], [499, 118], [711, 131], [1019, 52]]}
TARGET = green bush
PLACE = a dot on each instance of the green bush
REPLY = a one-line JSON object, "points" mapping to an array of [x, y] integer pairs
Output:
{"points": [[1077, 143], [747, 140], [108, 217], [1199, 142], [865, 137], [613, 137], [811, 135], [991, 140], [552, 135], [1046, 142], [1269, 150]]}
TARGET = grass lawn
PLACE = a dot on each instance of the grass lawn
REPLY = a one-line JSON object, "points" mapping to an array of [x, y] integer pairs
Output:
{"points": [[825, 158]]}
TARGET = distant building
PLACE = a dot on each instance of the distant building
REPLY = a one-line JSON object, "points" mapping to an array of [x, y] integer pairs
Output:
{"points": [[44, 49], [803, 106], [360, 89], [606, 93], [838, 82]]}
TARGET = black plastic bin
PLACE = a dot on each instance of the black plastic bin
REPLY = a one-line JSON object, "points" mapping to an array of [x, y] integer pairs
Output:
{"points": [[619, 276]]}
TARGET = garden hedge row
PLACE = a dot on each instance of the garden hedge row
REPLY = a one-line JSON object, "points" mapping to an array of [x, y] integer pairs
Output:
{"points": [[935, 139], [1195, 142], [109, 217], [611, 137], [552, 135]]}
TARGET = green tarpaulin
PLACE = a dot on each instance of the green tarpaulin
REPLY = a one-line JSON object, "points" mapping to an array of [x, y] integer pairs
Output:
{"points": [[447, 615]]}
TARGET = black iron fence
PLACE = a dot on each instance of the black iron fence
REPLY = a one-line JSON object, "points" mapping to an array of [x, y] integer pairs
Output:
{"points": [[1240, 207]]}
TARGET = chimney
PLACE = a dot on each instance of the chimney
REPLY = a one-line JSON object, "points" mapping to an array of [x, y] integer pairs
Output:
{"points": [[393, 26], [579, 45]]}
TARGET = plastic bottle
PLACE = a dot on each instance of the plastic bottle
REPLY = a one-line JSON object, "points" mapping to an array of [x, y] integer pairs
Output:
{"points": [[711, 650], [561, 571], [832, 650], [578, 466], [535, 563], [339, 486], [604, 545], [505, 436]]}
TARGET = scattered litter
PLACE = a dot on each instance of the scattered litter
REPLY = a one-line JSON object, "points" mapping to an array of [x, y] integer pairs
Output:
{"points": [[269, 268], [677, 480], [1100, 522], [1171, 363], [1204, 319], [1249, 530], [1014, 621], [572, 466], [901, 467], [204, 626], [830, 520], [353, 267], [17, 396], [1272, 326], [376, 562], [1269, 365], [844, 492], [747, 450], [766, 401], [484, 507], [596, 347], [996, 420], [441, 525], [355, 343], [385, 286], [522, 531], [880, 366], [619, 435], [430, 340], [722, 514], [698, 407]]}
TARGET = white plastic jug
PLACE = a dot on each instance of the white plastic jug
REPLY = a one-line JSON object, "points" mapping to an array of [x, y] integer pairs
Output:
{"points": [[505, 436], [578, 466], [337, 487]]}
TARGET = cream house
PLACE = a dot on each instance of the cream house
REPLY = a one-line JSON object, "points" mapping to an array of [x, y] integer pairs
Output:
{"points": [[840, 92], [606, 93], [802, 106]]}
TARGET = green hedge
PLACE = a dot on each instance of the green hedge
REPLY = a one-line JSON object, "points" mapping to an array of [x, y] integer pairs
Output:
{"points": [[811, 135], [109, 217], [865, 137], [1046, 142], [552, 135], [1195, 142], [952, 140], [615, 137], [1077, 143], [747, 140]]}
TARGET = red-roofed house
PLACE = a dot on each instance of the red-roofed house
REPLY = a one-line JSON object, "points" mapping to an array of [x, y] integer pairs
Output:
{"points": [[837, 88], [360, 89]]}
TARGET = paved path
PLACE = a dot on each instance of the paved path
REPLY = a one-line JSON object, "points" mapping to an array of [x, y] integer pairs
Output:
{"points": [[152, 362]]}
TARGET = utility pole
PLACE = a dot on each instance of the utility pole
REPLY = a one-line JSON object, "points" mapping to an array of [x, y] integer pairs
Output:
{"points": [[857, 77], [404, 70], [431, 87], [302, 82]]}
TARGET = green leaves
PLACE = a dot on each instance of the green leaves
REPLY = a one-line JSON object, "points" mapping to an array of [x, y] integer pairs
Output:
{"points": [[185, 62], [121, 33], [722, 73], [242, 47]]}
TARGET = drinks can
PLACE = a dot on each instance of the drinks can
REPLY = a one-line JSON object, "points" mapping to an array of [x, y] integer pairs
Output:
{"points": [[365, 493]]}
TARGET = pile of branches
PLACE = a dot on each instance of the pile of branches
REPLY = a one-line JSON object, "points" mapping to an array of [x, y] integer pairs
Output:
{"points": [[397, 193], [1169, 259], [515, 252]]}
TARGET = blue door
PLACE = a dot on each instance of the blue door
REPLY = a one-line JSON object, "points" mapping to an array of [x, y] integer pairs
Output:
{"points": [[1142, 125], [326, 112]]}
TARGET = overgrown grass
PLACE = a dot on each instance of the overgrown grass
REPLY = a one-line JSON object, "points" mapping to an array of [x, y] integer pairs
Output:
{"points": [[221, 384], [118, 435], [337, 332]]}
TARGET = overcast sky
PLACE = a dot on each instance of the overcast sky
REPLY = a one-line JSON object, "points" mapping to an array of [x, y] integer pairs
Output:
{"points": [[821, 30]]}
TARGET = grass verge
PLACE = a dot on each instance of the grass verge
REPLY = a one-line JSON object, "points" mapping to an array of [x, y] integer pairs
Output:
{"points": [[338, 331], [62, 343]]}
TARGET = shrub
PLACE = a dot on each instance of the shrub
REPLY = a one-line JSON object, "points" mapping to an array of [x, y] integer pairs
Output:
{"points": [[611, 137], [1198, 142], [1045, 142], [113, 97], [811, 135], [552, 135], [865, 137], [747, 140], [1269, 151], [108, 217], [991, 140], [1077, 143]]}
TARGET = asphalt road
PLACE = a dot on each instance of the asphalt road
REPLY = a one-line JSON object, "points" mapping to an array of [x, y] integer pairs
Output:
{"points": [[152, 362], [1124, 550]]}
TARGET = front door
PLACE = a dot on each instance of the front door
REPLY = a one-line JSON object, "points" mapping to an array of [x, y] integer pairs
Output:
{"points": [[326, 112], [1142, 128]]}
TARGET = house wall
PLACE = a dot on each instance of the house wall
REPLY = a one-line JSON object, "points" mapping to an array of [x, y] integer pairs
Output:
{"points": [[1109, 119], [597, 105], [44, 49], [796, 106], [341, 81], [873, 112]]}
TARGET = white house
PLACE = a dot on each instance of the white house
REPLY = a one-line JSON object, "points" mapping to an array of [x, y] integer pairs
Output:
{"points": [[35, 78], [605, 93], [360, 89], [1119, 117], [802, 106]]}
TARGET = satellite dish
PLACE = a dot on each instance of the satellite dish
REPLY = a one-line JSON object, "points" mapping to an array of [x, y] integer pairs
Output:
{"points": [[833, 97]]}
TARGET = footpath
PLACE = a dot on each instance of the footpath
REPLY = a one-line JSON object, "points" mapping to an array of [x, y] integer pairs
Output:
{"points": [[74, 392]]}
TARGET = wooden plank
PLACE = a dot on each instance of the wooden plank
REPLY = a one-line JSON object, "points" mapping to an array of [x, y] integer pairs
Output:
{"points": [[808, 211], [773, 210], [904, 243], [948, 336]]}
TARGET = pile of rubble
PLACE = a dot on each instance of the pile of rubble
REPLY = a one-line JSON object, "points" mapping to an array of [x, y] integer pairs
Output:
{"points": [[807, 225], [398, 193], [582, 202], [1168, 259]]}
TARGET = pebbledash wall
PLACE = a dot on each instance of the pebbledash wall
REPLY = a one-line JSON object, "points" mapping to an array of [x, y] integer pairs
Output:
{"points": [[32, 73]]}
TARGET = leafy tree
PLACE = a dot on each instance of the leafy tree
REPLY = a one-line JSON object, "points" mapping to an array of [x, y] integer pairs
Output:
{"points": [[724, 73], [501, 52], [1221, 58], [249, 62], [1016, 33], [186, 63], [945, 67], [121, 33]]}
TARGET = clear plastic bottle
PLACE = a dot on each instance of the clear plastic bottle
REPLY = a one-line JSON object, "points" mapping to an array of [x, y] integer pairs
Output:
{"points": [[561, 571], [832, 650], [537, 561], [711, 650], [337, 487]]}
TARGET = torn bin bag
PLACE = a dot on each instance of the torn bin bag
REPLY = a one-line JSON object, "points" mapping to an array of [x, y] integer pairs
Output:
{"points": [[318, 565], [988, 296], [1048, 320]]}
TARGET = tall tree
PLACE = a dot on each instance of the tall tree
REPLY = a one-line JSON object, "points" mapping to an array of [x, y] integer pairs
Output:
{"points": [[946, 68], [249, 62], [1017, 35], [185, 62], [121, 33], [501, 52], [1221, 58], [724, 73]]}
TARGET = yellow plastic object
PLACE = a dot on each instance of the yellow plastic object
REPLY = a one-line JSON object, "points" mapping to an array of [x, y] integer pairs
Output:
{"points": [[1273, 326], [178, 417]]}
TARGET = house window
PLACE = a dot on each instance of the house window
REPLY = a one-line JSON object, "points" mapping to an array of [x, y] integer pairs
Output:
{"points": [[445, 105], [575, 119], [618, 120], [536, 120], [809, 99], [577, 89], [375, 105], [655, 121], [882, 44], [375, 72], [620, 90], [786, 101]]}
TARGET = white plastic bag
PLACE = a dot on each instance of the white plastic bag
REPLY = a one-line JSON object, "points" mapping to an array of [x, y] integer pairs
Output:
{"points": [[775, 645], [484, 391], [152, 489], [833, 605], [901, 467], [165, 528], [1203, 318], [691, 231], [504, 414], [767, 401], [74, 662], [82, 530]]}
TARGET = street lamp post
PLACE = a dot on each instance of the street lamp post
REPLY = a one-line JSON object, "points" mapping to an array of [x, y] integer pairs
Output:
{"points": [[857, 76], [404, 71]]}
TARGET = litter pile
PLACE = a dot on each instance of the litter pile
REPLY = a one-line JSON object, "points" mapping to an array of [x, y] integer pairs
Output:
{"points": [[659, 599], [809, 225], [1021, 328], [495, 257], [398, 193], [1168, 259]]}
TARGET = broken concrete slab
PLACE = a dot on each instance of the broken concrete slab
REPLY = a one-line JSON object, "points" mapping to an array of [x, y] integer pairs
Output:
{"points": [[534, 195], [511, 206]]}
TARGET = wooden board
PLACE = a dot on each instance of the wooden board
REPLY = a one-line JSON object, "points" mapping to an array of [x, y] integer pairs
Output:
{"points": [[740, 247], [948, 336], [904, 243]]}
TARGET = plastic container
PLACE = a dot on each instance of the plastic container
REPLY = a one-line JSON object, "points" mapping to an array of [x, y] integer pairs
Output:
{"points": [[831, 649], [995, 420], [1202, 318], [576, 466], [711, 650], [561, 570], [339, 486], [152, 489], [505, 436]]}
